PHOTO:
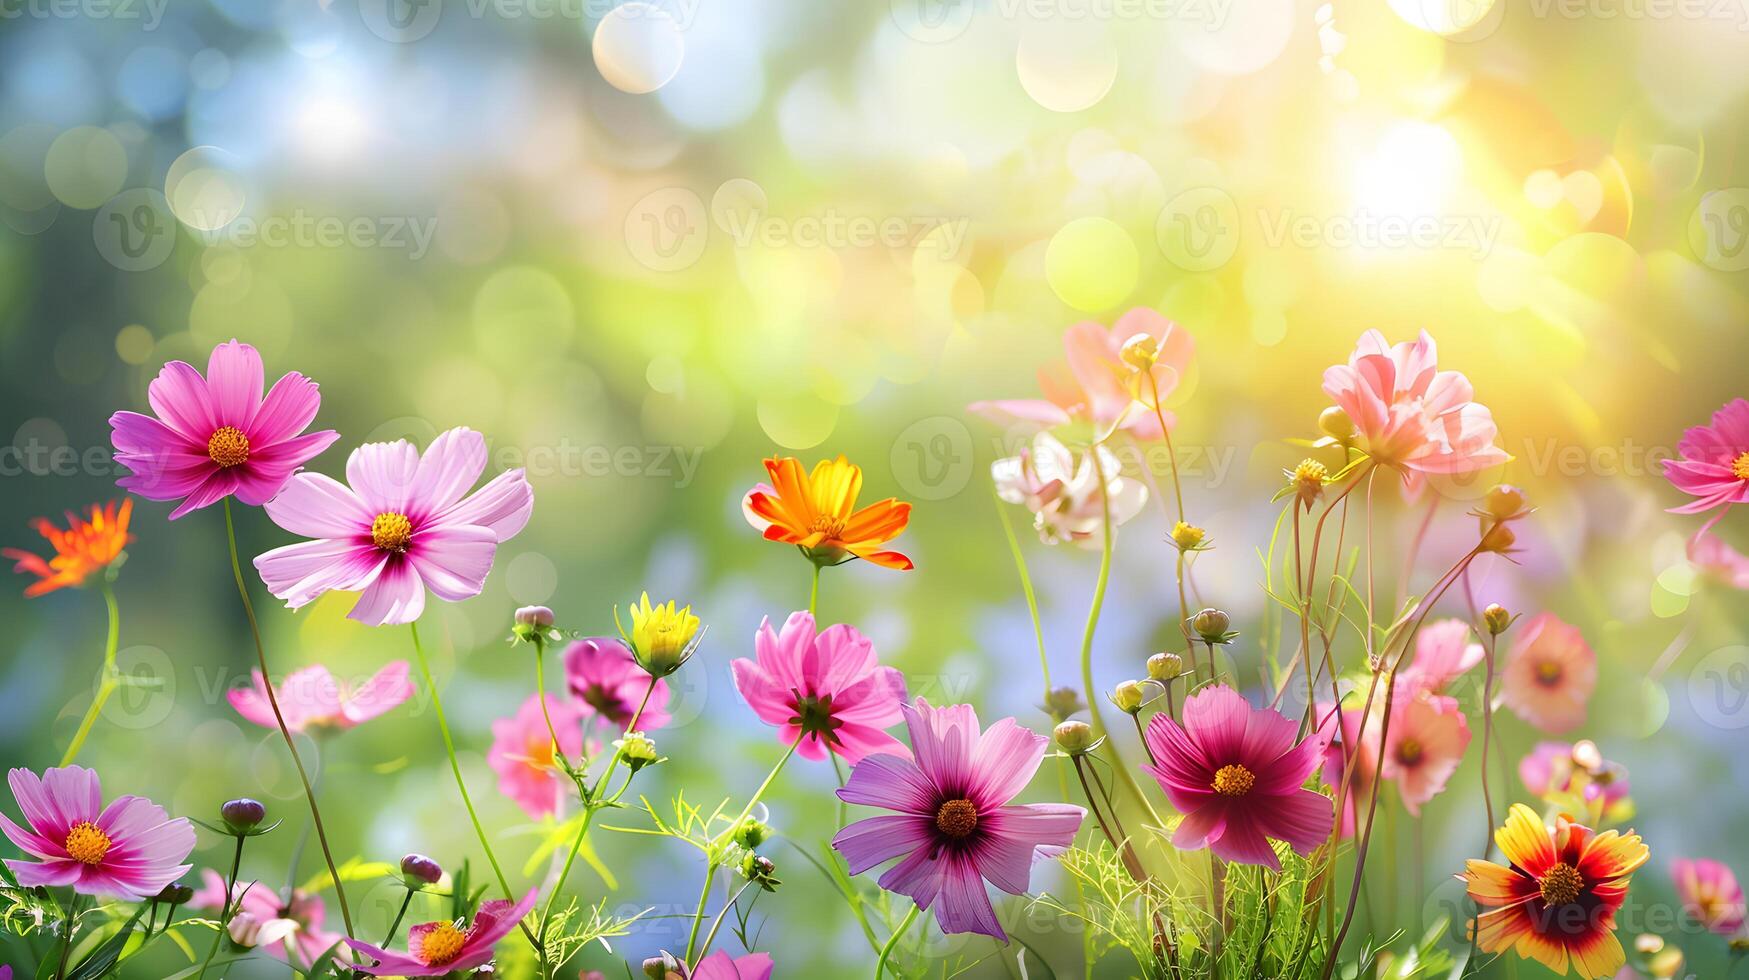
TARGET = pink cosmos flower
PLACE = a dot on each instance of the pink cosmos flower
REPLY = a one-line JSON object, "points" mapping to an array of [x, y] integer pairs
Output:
{"points": [[1235, 773], [216, 436], [826, 689], [1710, 894], [435, 949], [1550, 674], [954, 827], [405, 524], [280, 925], [522, 753], [1551, 769], [1719, 560], [1714, 468], [720, 966], [1064, 497], [130, 849], [1444, 651], [1340, 729], [1427, 740], [1410, 415], [606, 678], [313, 698], [1094, 385]]}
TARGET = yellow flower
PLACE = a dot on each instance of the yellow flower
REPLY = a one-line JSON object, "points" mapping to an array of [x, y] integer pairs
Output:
{"points": [[662, 637], [1188, 537]]}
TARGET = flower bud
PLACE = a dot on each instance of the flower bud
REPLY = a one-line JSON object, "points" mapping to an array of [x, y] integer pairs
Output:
{"points": [[1666, 963], [1188, 537], [1505, 502], [1587, 756], [1074, 737], [1140, 351], [1128, 696], [664, 966], [1165, 667], [418, 870], [1212, 626], [1496, 618], [245, 930], [1498, 539], [242, 815], [751, 833], [663, 636], [175, 893], [1063, 702], [637, 750], [540, 617], [1336, 424], [758, 869], [1308, 480]]}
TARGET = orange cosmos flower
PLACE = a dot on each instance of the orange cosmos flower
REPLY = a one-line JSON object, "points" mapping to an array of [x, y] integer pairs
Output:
{"points": [[1557, 902], [817, 513], [84, 547]]}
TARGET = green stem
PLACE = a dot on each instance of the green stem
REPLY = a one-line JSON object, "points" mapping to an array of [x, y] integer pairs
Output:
{"points": [[107, 685], [225, 906], [285, 732], [814, 590], [67, 943], [456, 768], [893, 940], [1093, 625], [715, 855], [1038, 630], [540, 689], [395, 926]]}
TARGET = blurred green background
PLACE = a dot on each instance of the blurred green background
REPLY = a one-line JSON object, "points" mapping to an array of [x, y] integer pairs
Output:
{"points": [[643, 248]]}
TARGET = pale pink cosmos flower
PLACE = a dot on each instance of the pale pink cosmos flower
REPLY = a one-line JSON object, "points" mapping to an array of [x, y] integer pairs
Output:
{"points": [[1723, 563], [280, 924], [954, 827], [825, 689], [1063, 494], [312, 698], [217, 436], [1710, 894], [603, 675], [435, 949], [721, 966], [1095, 384], [1410, 415], [1444, 651], [404, 525], [1550, 674], [129, 849], [522, 753], [1427, 740], [1342, 734], [1714, 468]]}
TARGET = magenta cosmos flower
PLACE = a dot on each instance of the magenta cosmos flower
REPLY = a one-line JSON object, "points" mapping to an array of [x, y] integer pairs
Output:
{"points": [[1710, 894], [825, 689], [1235, 772], [130, 849], [1553, 768], [1343, 737], [1550, 675], [955, 828], [522, 753], [312, 698], [1409, 414], [281, 924], [406, 523], [1094, 384], [721, 966], [216, 436], [606, 678], [438, 948], [1714, 468]]}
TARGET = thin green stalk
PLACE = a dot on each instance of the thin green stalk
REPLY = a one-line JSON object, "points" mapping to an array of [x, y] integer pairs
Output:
{"points": [[67, 943], [814, 590], [395, 926], [1093, 626], [225, 906], [714, 860], [540, 689], [107, 685], [285, 732], [843, 808], [893, 940], [1038, 630], [717, 923], [456, 768]]}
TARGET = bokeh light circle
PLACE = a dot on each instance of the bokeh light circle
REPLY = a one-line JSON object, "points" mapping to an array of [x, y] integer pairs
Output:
{"points": [[204, 189], [1069, 67], [1092, 264], [797, 421], [638, 47], [85, 166]]}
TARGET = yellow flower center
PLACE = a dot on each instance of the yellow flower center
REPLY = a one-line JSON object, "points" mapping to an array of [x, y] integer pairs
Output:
{"points": [[1311, 471], [1562, 884], [228, 447], [1548, 672], [442, 944], [86, 844], [1409, 752], [957, 818], [1186, 536], [828, 525], [1740, 468], [391, 531], [1234, 780]]}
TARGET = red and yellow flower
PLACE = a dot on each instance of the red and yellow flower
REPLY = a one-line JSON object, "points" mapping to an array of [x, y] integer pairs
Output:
{"points": [[84, 547], [817, 513], [1557, 901]]}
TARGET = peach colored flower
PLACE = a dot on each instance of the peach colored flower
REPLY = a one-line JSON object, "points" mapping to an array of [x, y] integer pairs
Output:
{"points": [[1550, 674], [1410, 415], [522, 753], [1427, 740]]}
